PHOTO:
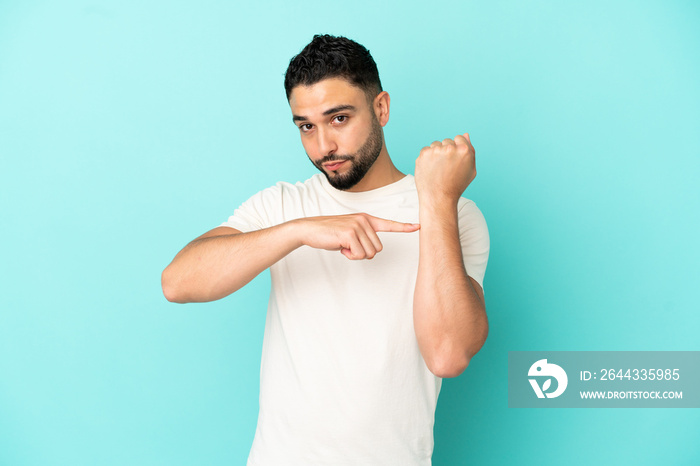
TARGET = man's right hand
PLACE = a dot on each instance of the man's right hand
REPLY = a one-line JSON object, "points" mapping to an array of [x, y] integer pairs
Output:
{"points": [[354, 235]]}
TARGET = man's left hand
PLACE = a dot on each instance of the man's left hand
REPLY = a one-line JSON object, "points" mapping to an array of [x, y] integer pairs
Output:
{"points": [[445, 169]]}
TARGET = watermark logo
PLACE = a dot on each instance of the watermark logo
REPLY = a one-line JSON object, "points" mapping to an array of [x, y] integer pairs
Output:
{"points": [[603, 379], [544, 369]]}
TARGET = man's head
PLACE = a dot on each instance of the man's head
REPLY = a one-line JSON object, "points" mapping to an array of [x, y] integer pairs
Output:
{"points": [[333, 57], [338, 104]]}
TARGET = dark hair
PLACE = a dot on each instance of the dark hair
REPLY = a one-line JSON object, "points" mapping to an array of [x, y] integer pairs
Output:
{"points": [[333, 57]]}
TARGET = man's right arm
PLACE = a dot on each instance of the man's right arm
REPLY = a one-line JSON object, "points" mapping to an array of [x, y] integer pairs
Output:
{"points": [[223, 260]]}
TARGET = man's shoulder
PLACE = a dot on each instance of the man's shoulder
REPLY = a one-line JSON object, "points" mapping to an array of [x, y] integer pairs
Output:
{"points": [[465, 205], [284, 192], [278, 203], [286, 188]]}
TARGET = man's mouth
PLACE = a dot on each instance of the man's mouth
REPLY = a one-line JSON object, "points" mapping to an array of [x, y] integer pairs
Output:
{"points": [[333, 166]]}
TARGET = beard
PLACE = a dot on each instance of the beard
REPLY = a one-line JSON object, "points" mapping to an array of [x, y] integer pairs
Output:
{"points": [[361, 162]]}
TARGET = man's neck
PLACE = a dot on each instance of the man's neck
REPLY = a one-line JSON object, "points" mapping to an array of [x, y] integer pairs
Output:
{"points": [[382, 173]]}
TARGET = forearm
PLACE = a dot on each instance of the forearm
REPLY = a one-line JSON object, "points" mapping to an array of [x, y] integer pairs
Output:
{"points": [[211, 268], [215, 266], [449, 316]]}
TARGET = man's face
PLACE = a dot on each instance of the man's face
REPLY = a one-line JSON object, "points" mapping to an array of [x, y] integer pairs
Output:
{"points": [[339, 130]]}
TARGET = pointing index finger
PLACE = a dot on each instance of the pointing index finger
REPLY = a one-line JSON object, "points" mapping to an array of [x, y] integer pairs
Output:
{"points": [[382, 224]]}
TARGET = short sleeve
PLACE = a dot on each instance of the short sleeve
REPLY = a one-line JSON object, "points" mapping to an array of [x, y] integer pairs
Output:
{"points": [[257, 212], [474, 237]]}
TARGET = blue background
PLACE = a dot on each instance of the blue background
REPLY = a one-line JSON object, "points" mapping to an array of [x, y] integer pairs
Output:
{"points": [[129, 128]]}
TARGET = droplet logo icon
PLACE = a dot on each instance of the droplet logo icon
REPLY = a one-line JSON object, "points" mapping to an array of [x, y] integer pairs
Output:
{"points": [[543, 369]]}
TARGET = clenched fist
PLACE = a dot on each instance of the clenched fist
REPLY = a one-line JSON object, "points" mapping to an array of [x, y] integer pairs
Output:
{"points": [[444, 169]]}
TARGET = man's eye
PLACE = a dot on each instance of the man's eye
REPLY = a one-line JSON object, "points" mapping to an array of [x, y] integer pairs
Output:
{"points": [[340, 118], [305, 127]]}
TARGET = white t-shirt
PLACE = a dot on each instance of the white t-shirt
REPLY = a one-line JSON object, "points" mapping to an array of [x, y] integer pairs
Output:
{"points": [[342, 379]]}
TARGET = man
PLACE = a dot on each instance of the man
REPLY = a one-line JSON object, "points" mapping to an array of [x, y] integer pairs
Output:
{"points": [[376, 276]]}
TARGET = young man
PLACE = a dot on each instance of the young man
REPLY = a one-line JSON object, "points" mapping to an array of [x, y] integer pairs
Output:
{"points": [[376, 276]]}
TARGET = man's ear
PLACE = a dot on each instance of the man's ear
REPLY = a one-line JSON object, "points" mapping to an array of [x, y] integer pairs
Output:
{"points": [[380, 106]]}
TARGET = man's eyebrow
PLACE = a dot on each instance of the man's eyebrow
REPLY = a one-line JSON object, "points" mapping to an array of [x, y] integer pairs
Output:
{"points": [[327, 112], [338, 109]]}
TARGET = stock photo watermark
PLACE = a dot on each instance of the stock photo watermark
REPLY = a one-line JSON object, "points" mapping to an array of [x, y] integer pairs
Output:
{"points": [[604, 379]]}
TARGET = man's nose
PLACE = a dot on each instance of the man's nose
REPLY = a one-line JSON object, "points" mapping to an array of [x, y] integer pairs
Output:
{"points": [[326, 143]]}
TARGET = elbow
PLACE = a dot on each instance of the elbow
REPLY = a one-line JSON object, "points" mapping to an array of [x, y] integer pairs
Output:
{"points": [[449, 368], [171, 291], [448, 363], [454, 362]]}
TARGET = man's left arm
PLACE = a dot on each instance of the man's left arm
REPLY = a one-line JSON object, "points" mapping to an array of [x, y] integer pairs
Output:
{"points": [[449, 314]]}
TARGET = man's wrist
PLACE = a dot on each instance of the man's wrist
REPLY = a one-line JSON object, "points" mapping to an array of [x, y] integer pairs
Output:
{"points": [[439, 205], [293, 231]]}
